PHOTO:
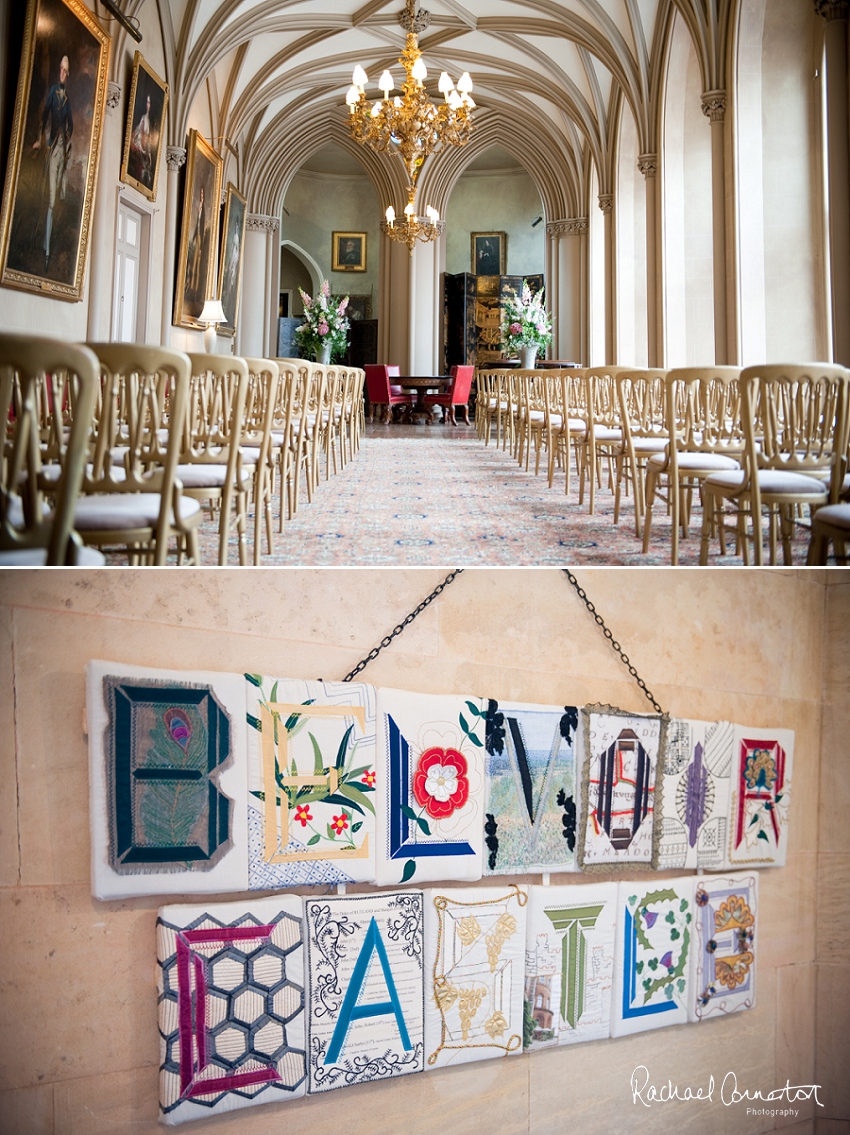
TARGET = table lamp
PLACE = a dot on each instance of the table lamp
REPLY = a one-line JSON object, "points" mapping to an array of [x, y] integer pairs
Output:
{"points": [[212, 314]]}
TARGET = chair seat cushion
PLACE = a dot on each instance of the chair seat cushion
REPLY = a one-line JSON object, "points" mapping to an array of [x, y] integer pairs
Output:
{"points": [[35, 557], [649, 444], [205, 476], [835, 515], [608, 433], [696, 462], [124, 511], [771, 481]]}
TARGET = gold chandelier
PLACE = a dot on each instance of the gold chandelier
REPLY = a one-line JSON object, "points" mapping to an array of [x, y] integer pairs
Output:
{"points": [[411, 126]]}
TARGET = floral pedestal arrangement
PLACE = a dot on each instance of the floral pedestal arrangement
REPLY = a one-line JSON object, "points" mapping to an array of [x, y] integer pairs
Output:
{"points": [[324, 332], [526, 325]]}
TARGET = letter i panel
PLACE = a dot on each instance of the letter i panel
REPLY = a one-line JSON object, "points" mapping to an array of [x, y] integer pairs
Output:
{"points": [[430, 767], [231, 1006], [474, 966], [724, 945], [532, 788], [569, 964], [651, 964], [311, 781], [365, 984]]}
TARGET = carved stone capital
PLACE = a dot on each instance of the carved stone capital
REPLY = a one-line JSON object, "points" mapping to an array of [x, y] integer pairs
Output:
{"points": [[175, 157], [259, 222], [832, 9], [648, 164], [569, 226], [714, 105], [606, 202], [113, 96]]}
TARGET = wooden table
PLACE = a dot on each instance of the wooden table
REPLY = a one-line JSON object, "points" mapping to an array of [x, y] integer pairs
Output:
{"points": [[421, 385]]}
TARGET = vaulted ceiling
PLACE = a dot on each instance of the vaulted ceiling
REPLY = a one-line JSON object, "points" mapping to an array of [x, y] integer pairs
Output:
{"points": [[551, 79]]}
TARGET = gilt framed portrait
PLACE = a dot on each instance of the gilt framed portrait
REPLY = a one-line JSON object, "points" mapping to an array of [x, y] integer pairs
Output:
{"points": [[349, 252], [54, 148], [489, 254], [230, 259], [144, 136], [196, 261]]}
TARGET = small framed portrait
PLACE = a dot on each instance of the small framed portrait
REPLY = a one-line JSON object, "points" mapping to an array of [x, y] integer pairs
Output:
{"points": [[359, 307], [196, 262], [51, 173], [145, 133], [349, 252], [489, 254], [230, 257]]}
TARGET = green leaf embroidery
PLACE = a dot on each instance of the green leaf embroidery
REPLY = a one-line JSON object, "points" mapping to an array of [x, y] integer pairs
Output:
{"points": [[475, 740], [409, 868], [356, 797], [674, 934], [670, 917], [273, 695], [680, 984], [313, 839], [762, 835], [420, 820], [683, 905], [337, 798], [463, 724], [639, 967], [473, 709], [343, 745], [754, 820], [356, 827], [255, 679], [255, 723], [318, 759]]}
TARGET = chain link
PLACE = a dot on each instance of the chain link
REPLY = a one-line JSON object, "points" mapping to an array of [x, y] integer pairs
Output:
{"points": [[582, 594], [450, 578]]}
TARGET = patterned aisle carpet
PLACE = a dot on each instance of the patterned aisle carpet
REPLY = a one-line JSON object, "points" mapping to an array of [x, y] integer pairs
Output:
{"points": [[442, 499]]}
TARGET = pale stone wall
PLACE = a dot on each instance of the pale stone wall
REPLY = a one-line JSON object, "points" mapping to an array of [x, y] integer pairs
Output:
{"points": [[79, 1048]]}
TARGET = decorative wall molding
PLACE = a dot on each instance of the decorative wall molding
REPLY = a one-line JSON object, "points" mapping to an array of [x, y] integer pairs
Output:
{"points": [[416, 23], [175, 157], [261, 222], [570, 226], [714, 105], [606, 202], [832, 9], [648, 164], [113, 96]]}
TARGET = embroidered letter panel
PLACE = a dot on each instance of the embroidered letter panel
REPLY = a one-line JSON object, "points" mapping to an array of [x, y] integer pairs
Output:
{"points": [[231, 1006], [531, 808], [621, 756], [724, 945], [311, 770], [430, 787], [760, 795], [166, 781], [474, 966], [695, 805], [569, 964], [651, 966], [365, 983]]}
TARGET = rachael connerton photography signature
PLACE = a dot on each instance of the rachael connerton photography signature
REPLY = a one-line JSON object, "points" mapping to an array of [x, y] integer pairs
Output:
{"points": [[648, 1094]]}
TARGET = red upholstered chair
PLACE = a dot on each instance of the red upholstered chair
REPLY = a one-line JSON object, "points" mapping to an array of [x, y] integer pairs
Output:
{"points": [[456, 395], [380, 393]]}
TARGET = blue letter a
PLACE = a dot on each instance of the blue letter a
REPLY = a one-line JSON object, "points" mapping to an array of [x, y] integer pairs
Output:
{"points": [[351, 1011]]}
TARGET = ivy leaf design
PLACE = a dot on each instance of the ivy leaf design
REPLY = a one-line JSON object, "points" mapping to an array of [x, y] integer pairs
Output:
{"points": [[480, 713], [409, 868], [763, 835]]}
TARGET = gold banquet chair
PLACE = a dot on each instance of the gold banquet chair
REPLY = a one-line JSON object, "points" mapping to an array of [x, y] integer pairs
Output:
{"points": [[793, 418], [131, 495], [47, 397]]}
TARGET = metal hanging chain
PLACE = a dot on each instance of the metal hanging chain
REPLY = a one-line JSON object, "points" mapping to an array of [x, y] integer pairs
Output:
{"points": [[450, 578], [582, 594]]}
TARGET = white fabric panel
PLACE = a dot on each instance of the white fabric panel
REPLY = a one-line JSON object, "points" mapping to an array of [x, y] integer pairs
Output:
{"points": [[695, 805], [570, 963], [724, 945], [231, 982], [230, 872], [760, 795], [474, 967], [311, 833], [651, 964], [430, 768]]}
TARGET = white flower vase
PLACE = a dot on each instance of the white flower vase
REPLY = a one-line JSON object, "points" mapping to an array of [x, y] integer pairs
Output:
{"points": [[527, 357], [323, 354]]}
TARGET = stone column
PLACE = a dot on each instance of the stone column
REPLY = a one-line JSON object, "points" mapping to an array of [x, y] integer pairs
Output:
{"points": [[102, 244], [838, 170], [648, 166], [273, 290], [714, 108], [175, 157], [606, 204], [256, 285], [567, 299]]}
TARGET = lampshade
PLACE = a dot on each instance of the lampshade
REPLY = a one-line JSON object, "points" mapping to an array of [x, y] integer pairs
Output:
{"points": [[213, 313]]}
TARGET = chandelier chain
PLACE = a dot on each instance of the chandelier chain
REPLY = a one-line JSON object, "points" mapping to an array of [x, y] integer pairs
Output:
{"points": [[582, 594], [438, 590]]}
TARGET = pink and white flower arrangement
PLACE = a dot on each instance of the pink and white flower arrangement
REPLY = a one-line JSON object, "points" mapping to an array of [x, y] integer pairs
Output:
{"points": [[325, 323], [525, 321]]}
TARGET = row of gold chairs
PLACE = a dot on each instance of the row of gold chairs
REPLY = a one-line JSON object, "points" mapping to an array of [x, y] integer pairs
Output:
{"points": [[771, 438], [120, 445]]}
